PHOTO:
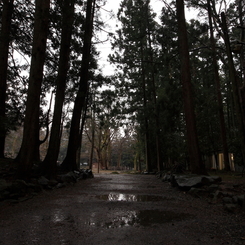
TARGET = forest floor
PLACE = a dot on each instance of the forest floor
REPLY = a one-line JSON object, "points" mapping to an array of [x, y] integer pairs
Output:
{"points": [[118, 209]]}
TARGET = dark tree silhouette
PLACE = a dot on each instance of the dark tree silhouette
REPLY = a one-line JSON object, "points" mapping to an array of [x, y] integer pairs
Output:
{"points": [[29, 152], [196, 164], [4, 49]]}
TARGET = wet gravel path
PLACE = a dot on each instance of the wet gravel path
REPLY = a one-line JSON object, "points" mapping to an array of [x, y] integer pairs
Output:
{"points": [[119, 209]]}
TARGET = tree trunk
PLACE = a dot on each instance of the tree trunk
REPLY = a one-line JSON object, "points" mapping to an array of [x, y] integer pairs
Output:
{"points": [[91, 157], [4, 49], [196, 164], [156, 112], [146, 126], [49, 164], [235, 86], [30, 143], [69, 162], [84, 114], [119, 157], [109, 154], [218, 92]]}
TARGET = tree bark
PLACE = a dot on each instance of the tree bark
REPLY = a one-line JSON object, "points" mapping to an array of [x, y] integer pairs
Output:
{"points": [[4, 49], [196, 164], [149, 167], [146, 125], [84, 115], [91, 157], [69, 162], [156, 112], [49, 164], [30, 143], [218, 92]]}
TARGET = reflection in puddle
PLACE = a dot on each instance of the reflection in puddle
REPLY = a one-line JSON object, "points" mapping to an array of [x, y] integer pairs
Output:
{"points": [[91, 221], [128, 219], [130, 198], [140, 218], [58, 216]]}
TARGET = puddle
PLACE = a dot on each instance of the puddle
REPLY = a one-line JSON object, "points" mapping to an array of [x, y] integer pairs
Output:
{"points": [[148, 217], [113, 197], [140, 218], [117, 219]]}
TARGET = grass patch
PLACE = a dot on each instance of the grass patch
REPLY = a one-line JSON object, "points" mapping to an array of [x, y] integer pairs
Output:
{"points": [[132, 172], [115, 172], [233, 177]]}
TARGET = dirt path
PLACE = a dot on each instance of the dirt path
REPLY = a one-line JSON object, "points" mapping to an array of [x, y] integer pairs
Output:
{"points": [[118, 209]]}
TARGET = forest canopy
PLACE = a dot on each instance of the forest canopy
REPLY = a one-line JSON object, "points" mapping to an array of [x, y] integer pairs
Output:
{"points": [[176, 97]]}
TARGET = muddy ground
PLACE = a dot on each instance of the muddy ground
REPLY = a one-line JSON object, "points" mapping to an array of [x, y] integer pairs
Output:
{"points": [[119, 209]]}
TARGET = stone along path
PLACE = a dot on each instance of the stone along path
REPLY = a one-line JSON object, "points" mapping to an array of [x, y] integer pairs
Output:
{"points": [[118, 209]]}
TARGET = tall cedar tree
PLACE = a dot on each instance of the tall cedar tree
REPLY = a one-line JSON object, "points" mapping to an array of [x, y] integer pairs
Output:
{"points": [[135, 39], [4, 49], [29, 151], [218, 90], [235, 86], [154, 93], [145, 81], [49, 164], [196, 164], [69, 162]]}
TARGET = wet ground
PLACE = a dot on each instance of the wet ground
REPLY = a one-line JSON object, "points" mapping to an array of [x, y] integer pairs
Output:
{"points": [[119, 209]]}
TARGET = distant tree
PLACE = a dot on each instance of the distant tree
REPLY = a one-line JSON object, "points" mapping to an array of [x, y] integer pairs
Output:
{"points": [[135, 56], [103, 123], [123, 148]]}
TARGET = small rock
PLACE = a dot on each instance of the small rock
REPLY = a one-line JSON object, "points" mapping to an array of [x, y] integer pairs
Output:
{"points": [[16, 195], [35, 187], [90, 173], [215, 196], [230, 207], [225, 194], [60, 185], [68, 178], [196, 192], [43, 181], [235, 199], [227, 200], [3, 184], [166, 177], [186, 182], [209, 180], [213, 187], [241, 200], [159, 175], [52, 182], [18, 187]]}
